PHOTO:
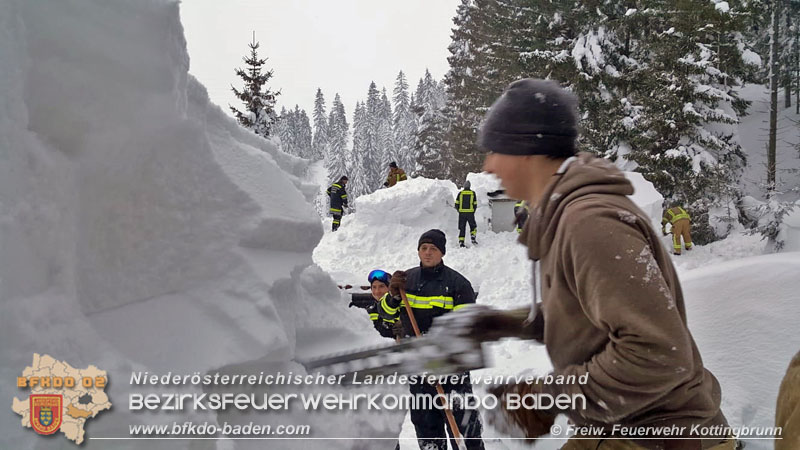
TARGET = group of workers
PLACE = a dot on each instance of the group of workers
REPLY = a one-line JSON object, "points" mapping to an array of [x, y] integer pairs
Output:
{"points": [[639, 359]]}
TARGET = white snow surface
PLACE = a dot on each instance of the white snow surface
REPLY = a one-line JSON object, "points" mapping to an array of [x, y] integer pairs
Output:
{"points": [[140, 227]]}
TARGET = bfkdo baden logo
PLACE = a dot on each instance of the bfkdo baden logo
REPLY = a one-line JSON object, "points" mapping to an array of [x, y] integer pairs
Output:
{"points": [[46, 412], [62, 398]]}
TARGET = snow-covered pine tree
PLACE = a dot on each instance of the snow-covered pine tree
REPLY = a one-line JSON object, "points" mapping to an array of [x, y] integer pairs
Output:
{"points": [[470, 87], [434, 160], [283, 131], [404, 125], [338, 132], [388, 150], [320, 140], [259, 101], [303, 133], [686, 139], [358, 183], [372, 169]]}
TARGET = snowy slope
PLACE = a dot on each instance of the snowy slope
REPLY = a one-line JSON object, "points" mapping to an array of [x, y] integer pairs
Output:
{"points": [[140, 227]]}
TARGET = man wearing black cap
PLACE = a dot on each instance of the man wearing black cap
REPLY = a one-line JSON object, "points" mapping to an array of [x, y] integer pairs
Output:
{"points": [[612, 310], [338, 196], [434, 289], [395, 176]]}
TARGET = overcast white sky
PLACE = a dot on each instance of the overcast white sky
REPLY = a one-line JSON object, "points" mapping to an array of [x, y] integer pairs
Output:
{"points": [[337, 45]]}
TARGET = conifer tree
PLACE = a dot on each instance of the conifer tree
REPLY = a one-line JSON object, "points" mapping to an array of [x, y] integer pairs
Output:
{"points": [[338, 129], [259, 101], [433, 160], [404, 125], [357, 159], [386, 140], [320, 139]]}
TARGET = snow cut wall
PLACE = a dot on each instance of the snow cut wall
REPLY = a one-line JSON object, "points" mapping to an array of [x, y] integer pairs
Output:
{"points": [[140, 227]]}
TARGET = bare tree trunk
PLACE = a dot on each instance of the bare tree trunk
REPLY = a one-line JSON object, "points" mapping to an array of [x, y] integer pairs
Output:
{"points": [[773, 101]]}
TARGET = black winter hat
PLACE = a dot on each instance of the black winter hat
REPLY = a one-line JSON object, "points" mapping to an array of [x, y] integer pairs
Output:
{"points": [[532, 117], [435, 237], [393, 164]]}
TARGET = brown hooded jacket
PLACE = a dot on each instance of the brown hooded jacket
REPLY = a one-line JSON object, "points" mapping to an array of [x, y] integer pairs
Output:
{"points": [[612, 305]]}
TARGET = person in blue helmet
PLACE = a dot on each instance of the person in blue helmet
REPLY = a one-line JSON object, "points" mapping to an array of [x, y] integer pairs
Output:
{"points": [[385, 322]]}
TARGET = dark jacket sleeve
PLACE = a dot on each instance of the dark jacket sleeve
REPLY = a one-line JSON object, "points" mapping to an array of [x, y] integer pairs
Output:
{"points": [[463, 294], [383, 327], [362, 300], [344, 196]]}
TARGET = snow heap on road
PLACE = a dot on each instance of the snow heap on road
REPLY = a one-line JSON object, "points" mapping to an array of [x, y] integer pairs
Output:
{"points": [[384, 230], [140, 227]]}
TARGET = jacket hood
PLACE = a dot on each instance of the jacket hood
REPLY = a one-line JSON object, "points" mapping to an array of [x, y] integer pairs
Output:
{"points": [[585, 175]]}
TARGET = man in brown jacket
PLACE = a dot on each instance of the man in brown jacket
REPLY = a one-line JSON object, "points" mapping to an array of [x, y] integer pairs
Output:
{"points": [[396, 175], [612, 306], [787, 414]]}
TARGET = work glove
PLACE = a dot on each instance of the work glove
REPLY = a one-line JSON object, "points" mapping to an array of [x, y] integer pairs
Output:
{"points": [[398, 282], [482, 323], [386, 184], [398, 329], [522, 422]]}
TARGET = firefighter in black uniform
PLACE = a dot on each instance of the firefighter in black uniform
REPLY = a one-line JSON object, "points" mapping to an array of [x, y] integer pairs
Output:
{"points": [[434, 289], [466, 202], [338, 197]]}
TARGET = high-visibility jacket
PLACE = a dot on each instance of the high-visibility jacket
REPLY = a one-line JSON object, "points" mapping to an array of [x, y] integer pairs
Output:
{"points": [[338, 197], [466, 201], [673, 215], [431, 292], [396, 175]]}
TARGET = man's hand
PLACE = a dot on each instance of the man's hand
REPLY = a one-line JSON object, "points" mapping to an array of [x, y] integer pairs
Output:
{"points": [[398, 330], [482, 323], [398, 282], [521, 422]]}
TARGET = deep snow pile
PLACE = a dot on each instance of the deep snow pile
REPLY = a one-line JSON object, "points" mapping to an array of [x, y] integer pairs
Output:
{"points": [[741, 308], [140, 227], [383, 232]]}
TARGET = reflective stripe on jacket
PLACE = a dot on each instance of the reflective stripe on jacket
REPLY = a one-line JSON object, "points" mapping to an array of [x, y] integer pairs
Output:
{"points": [[466, 201], [431, 292], [338, 197], [673, 215]]}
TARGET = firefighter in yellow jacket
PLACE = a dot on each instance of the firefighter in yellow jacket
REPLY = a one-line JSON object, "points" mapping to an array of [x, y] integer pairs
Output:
{"points": [[395, 176], [466, 202], [681, 224]]}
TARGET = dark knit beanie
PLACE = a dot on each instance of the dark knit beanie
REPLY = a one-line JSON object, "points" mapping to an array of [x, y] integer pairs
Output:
{"points": [[393, 164], [532, 117], [435, 237]]}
